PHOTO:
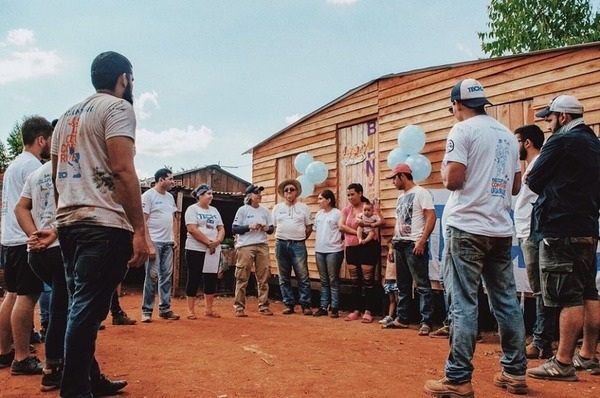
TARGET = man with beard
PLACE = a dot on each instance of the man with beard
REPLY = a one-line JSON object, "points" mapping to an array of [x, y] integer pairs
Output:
{"points": [[531, 139], [99, 214], [565, 223], [22, 285]]}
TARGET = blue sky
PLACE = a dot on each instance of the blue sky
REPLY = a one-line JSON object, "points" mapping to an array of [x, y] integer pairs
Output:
{"points": [[214, 78]]}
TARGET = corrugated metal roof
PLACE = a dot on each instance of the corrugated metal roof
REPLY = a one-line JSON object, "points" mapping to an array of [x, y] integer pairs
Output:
{"points": [[414, 71]]}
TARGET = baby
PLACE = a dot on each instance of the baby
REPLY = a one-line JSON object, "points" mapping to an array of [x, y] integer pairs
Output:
{"points": [[367, 233]]}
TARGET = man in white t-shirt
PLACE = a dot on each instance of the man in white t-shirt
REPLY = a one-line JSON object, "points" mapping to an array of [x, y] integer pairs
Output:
{"points": [[293, 225], [415, 220], [99, 214], [252, 224], [159, 213], [481, 168], [22, 285], [531, 139]]}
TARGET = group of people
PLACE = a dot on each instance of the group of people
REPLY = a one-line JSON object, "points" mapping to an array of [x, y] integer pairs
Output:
{"points": [[78, 222]]}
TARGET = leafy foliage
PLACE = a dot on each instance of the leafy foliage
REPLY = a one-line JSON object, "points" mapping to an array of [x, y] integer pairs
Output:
{"points": [[518, 26], [4, 158], [15, 141]]}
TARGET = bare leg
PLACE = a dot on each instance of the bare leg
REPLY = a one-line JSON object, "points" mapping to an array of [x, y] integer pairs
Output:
{"points": [[570, 326], [591, 326], [21, 321], [5, 329]]}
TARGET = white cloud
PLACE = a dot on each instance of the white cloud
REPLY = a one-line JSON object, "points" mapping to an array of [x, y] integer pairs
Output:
{"points": [[465, 50], [28, 62], [173, 142], [292, 119], [344, 2], [20, 37], [142, 102]]}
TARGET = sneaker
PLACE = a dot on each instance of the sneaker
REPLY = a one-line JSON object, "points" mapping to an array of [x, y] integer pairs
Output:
{"points": [[395, 324], [532, 352], [446, 388], [552, 370], [6, 359], [122, 319], [265, 311], [170, 315], [307, 311], [51, 379], [386, 320], [512, 385], [441, 333], [321, 311], [146, 318], [590, 365], [106, 387], [28, 366], [335, 313], [240, 313], [288, 311]]}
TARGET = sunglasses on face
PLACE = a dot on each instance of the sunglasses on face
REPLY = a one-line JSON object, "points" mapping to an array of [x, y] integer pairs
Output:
{"points": [[289, 190]]}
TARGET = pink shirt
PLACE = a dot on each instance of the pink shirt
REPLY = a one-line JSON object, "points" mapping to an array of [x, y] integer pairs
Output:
{"points": [[350, 240]]}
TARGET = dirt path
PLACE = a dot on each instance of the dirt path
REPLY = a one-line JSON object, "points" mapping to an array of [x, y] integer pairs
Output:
{"points": [[280, 356]]}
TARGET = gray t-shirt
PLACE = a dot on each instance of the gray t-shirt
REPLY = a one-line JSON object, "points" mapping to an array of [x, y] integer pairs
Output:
{"points": [[159, 208], [206, 220], [247, 215], [84, 178]]}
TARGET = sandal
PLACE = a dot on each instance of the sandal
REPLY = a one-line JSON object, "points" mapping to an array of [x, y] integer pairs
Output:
{"points": [[366, 318], [424, 330], [212, 314], [353, 316], [191, 316], [395, 324]]}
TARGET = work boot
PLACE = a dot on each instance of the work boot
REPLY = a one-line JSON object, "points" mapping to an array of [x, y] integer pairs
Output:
{"points": [[512, 384], [445, 388], [122, 319]]}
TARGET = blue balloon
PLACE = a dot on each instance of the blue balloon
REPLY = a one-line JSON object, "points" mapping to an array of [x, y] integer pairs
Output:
{"points": [[396, 156], [302, 161], [317, 172], [307, 186], [420, 166], [411, 139]]}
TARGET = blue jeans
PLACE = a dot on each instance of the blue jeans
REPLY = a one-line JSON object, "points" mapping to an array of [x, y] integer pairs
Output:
{"points": [[48, 266], [292, 254], [329, 265], [95, 260], [158, 273], [545, 317], [409, 267], [472, 257]]}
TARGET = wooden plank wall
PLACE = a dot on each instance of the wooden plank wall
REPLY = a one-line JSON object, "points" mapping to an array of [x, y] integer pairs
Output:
{"points": [[517, 86], [218, 180]]}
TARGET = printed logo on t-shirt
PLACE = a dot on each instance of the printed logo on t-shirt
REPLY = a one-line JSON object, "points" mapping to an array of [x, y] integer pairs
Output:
{"points": [[449, 146], [405, 214], [69, 153], [500, 179]]}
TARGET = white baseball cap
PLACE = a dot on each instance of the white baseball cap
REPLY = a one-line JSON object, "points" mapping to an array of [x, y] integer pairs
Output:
{"points": [[560, 104], [470, 93]]}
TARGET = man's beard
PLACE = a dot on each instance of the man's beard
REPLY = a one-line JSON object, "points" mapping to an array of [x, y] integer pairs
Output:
{"points": [[128, 94], [522, 154]]}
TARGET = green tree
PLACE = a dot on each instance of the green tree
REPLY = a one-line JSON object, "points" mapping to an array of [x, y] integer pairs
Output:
{"points": [[518, 26], [4, 158], [15, 141]]}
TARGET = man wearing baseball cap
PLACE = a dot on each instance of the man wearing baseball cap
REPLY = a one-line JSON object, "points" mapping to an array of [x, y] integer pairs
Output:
{"points": [[252, 223], [415, 219], [565, 223], [481, 169]]}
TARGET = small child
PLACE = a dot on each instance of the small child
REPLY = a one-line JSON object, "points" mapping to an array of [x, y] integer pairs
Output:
{"points": [[366, 234], [390, 288]]}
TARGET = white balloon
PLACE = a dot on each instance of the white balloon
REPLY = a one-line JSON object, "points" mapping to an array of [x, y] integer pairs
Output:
{"points": [[396, 156], [307, 186], [411, 139], [317, 172], [420, 166], [302, 161]]}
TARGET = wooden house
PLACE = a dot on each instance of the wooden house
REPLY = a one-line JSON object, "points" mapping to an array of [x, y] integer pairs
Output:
{"points": [[354, 133]]}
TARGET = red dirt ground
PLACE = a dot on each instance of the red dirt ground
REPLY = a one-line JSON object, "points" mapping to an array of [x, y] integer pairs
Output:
{"points": [[291, 356]]}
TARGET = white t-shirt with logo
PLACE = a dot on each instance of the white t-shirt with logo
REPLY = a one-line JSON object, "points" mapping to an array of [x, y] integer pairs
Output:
{"points": [[84, 178], [247, 215], [327, 226], [524, 205], [490, 153], [14, 179], [206, 220], [410, 215], [291, 221], [40, 190], [159, 208]]}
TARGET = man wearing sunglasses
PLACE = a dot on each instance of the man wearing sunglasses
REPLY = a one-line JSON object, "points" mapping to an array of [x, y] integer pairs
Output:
{"points": [[293, 225]]}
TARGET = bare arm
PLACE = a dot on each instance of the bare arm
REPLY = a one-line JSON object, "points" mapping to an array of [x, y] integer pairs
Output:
{"points": [[151, 249], [308, 231], [345, 228], [427, 229], [516, 183], [127, 187], [24, 217], [453, 175]]}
